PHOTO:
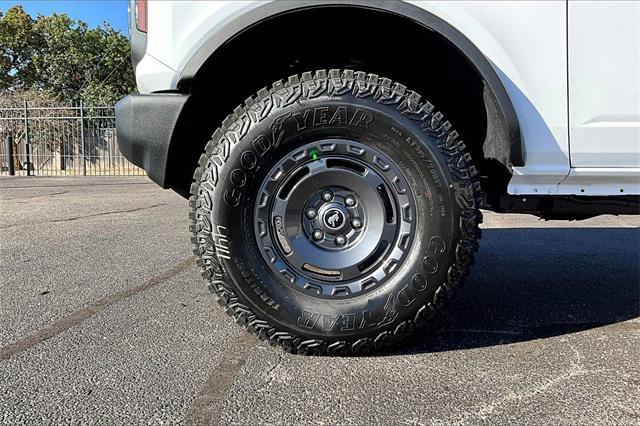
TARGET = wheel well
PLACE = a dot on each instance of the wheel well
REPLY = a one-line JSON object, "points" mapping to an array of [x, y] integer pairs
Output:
{"points": [[355, 38]]}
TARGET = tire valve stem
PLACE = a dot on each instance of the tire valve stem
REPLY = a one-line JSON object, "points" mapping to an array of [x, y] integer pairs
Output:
{"points": [[313, 153]]}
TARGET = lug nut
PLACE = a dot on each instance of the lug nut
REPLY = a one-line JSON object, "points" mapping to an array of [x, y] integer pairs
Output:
{"points": [[311, 213], [340, 240], [318, 235], [350, 201], [327, 196], [356, 222]]}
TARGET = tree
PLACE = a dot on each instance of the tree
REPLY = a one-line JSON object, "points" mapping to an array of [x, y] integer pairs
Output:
{"points": [[18, 43], [63, 57]]}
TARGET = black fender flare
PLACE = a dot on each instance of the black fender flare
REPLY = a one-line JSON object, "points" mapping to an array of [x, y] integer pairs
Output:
{"points": [[418, 15]]}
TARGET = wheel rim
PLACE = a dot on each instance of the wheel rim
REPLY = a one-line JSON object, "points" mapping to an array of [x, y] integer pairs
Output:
{"points": [[335, 218]]}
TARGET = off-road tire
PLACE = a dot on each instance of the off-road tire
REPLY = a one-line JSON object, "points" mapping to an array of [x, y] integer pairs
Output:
{"points": [[261, 132]]}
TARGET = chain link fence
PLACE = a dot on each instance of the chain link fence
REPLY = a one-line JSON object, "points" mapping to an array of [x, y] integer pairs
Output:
{"points": [[56, 140]]}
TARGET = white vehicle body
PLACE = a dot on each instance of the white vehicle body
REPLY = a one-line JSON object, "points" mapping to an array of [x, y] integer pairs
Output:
{"points": [[570, 68]]}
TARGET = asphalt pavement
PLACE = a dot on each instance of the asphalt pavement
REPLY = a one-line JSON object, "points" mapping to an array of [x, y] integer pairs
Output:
{"points": [[104, 319]]}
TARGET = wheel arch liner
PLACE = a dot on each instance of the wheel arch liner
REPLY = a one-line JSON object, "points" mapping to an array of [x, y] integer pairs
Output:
{"points": [[253, 17]]}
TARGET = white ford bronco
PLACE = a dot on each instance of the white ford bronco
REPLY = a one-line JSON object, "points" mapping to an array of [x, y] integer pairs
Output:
{"points": [[336, 153]]}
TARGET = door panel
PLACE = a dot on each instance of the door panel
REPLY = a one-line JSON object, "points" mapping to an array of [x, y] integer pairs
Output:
{"points": [[604, 83]]}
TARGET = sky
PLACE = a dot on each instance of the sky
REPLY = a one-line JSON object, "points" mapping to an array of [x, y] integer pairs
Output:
{"points": [[93, 12]]}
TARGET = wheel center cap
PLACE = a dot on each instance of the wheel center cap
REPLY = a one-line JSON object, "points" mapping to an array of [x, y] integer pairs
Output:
{"points": [[333, 219]]}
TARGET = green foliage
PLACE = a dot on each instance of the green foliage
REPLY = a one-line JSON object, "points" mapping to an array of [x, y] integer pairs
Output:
{"points": [[63, 57]]}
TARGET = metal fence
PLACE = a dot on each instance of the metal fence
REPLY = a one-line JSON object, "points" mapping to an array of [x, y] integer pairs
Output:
{"points": [[55, 140]]}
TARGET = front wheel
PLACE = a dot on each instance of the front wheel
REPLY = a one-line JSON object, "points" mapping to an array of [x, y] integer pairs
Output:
{"points": [[335, 213]]}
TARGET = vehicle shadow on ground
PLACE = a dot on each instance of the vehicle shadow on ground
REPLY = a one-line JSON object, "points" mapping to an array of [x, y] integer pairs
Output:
{"points": [[531, 283]]}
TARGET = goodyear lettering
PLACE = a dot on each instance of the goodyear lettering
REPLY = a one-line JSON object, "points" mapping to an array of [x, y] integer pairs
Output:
{"points": [[406, 296], [249, 159]]}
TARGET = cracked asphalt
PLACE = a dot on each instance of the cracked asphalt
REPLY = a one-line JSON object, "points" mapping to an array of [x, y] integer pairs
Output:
{"points": [[104, 319]]}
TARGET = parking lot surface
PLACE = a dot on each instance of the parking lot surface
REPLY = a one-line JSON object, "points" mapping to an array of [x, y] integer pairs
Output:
{"points": [[105, 319]]}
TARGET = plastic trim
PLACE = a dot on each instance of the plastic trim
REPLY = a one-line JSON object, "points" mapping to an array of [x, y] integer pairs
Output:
{"points": [[145, 126]]}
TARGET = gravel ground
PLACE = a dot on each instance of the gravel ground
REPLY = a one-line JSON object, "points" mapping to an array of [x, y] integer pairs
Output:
{"points": [[105, 319]]}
